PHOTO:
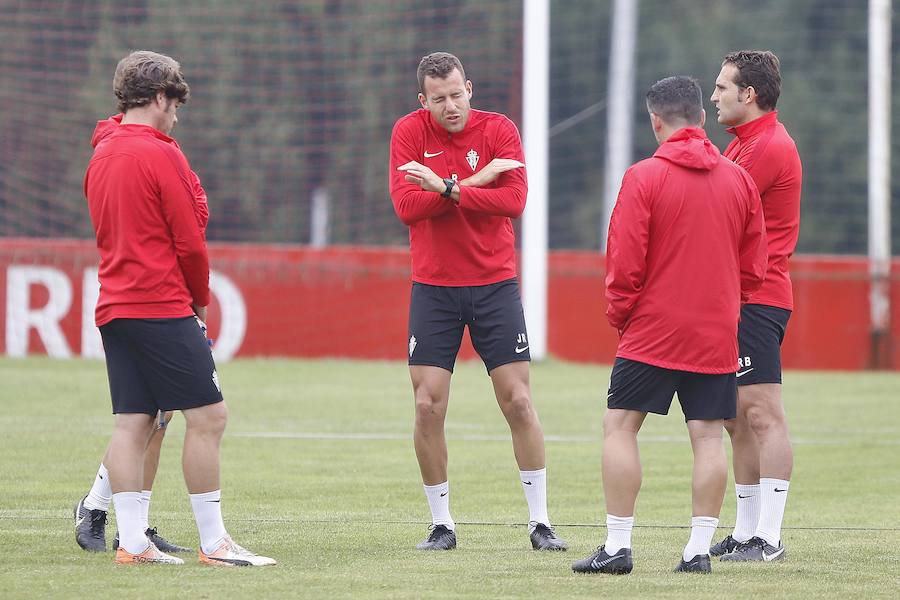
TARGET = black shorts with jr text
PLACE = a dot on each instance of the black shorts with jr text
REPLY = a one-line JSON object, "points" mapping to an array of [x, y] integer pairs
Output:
{"points": [[438, 315]]}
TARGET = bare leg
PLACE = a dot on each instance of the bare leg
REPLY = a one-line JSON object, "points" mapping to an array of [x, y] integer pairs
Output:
{"points": [[621, 485], [762, 405], [125, 454], [621, 460], [511, 386], [745, 450], [745, 458], [151, 458], [203, 435], [710, 467], [431, 390], [765, 413]]}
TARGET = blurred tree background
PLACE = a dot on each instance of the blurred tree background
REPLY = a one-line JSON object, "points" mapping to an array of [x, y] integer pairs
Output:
{"points": [[293, 97]]}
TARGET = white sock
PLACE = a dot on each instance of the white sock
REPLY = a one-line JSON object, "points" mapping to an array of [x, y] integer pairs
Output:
{"points": [[535, 485], [747, 511], [618, 533], [145, 508], [101, 494], [439, 503], [773, 497], [208, 515], [128, 520], [702, 531]]}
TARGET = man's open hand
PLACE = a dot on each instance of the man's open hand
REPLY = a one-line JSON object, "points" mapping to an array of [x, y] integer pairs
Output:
{"points": [[422, 176]]}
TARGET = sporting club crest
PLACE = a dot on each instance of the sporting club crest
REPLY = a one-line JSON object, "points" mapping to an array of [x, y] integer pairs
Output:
{"points": [[472, 158]]}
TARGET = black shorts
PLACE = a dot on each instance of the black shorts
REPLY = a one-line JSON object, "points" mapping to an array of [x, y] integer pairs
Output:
{"points": [[158, 364], [438, 315], [638, 386], [760, 334]]}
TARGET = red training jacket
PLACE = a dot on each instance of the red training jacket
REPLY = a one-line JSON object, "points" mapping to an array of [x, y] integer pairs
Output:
{"points": [[765, 149], [472, 243], [686, 245], [149, 213]]}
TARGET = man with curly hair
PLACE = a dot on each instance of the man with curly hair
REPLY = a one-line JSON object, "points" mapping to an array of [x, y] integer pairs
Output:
{"points": [[154, 293]]}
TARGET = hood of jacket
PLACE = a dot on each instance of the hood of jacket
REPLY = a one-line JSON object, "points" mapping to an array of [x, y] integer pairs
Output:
{"points": [[689, 147]]}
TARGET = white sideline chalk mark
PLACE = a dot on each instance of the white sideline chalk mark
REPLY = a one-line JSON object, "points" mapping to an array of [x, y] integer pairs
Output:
{"points": [[562, 439], [66, 515]]}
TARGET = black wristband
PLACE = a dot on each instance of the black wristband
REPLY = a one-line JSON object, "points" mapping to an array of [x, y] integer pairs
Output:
{"points": [[449, 183]]}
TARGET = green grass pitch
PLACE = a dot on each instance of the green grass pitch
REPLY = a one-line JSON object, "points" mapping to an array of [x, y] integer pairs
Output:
{"points": [[319, 472]]}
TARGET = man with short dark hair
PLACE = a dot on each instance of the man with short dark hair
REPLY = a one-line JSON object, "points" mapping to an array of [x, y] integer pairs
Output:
{"points": [[747, 90], [686, 244], [154, 292], [457, 179]]}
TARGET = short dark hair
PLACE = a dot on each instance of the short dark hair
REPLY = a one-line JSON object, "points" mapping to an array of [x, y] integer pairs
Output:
{"points": [[676, 99], [438, 64], [142, 74], [759, 69]]}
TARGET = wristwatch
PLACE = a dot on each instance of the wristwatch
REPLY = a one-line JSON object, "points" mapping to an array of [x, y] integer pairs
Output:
{"points": [[449, 183]]}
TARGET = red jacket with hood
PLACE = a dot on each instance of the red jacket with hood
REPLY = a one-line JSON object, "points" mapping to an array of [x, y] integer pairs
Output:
{"points": [[686, 245], [149, 213], [471, 243], [764, 148]]}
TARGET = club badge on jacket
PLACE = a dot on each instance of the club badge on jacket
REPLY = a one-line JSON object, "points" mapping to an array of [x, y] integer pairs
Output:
{"points": [[472, 158]]}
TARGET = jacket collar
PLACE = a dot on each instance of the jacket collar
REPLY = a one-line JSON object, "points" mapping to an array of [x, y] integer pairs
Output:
{"points": [[109, 126], [754, 127]]}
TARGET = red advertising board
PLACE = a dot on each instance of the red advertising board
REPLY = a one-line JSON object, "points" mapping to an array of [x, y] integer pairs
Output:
{"points": [[352, 302]]}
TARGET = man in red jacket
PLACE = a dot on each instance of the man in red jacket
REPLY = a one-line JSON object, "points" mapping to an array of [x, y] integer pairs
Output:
{"points": [[457, 179], [686, 245], [154, 290], [92, 510], [747, 90]]}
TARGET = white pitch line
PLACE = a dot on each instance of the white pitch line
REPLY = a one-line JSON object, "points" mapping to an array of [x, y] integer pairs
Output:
{"points": [[563, 439], [58, 515]]}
